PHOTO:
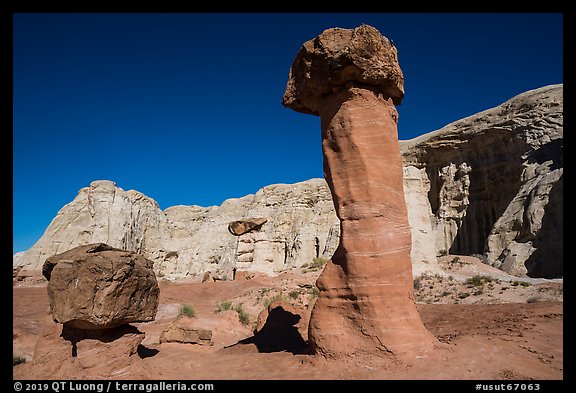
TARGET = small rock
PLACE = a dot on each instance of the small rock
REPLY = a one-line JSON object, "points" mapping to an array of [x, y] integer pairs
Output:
{"points": [[182, 330]]}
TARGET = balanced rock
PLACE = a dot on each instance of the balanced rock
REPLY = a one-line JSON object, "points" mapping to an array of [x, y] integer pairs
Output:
{"points": [[246, 225], [97, 287], [183, 330], [366, 301]]}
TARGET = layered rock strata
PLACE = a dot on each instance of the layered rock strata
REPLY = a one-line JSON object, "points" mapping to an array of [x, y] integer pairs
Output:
{"points": [[496, 181], [352, 79]]}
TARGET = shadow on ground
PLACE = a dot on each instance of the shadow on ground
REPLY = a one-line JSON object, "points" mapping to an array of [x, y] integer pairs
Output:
{"points": [[279, 334]]}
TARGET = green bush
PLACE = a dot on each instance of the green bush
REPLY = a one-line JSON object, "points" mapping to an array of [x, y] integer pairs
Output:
{"points": [[317, 263], [478, 280], [243, 316], [278, 296], [224, 306], [188, 310], [463, 295], [294, 295], [18, 359]]}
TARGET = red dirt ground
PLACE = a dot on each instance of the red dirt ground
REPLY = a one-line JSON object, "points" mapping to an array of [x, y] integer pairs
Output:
{"points": [[482, 341]]}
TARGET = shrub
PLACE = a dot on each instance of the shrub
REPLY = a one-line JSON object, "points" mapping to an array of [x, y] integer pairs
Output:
{"points": [[456, 260], [18, 359], [417, 283], [267, 302], [294, 294], [445, 293], [263, 291], [533, 299], [443, 252], [478, 280], [317, 263], [481, 257], [243, 316], [314, 291], [280, 296], [463, 295], [224, 306], [188, 310]]}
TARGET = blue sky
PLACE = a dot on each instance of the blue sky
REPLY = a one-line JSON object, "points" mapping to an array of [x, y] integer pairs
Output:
{"points": [[186, 108]]}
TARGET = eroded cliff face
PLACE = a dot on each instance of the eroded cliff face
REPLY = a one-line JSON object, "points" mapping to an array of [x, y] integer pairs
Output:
{"points": [[189, 240], [496, 183], [100, 213]]}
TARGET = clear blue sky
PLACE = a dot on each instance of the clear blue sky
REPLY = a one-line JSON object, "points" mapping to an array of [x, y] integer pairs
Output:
{"points": [[186, 107]]}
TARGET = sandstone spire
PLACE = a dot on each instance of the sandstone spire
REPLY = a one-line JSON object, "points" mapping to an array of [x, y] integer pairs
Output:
{"points": [[351, 79]]}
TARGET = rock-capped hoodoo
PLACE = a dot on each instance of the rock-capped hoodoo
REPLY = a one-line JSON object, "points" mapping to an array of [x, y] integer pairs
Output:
{"points": [[352, 79], [95, 292]]}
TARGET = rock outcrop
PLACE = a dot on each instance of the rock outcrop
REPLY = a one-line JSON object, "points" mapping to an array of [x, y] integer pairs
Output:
{"points": [[191, 240], [496, 183], [100, 287], [366, 302], [102, 212], [184, 331], [489, 184], [423, 250], [95, 291], [62, 352]]}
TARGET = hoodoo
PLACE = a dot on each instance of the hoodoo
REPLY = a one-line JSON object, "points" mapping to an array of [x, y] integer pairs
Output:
{"points": [[351, 79]]}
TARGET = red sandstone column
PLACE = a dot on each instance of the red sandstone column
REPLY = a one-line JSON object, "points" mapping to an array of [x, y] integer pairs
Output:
{"points": [[366, 301]]}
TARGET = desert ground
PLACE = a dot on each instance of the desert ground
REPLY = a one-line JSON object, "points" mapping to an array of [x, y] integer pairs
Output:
{"points": [[490, 325]]}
